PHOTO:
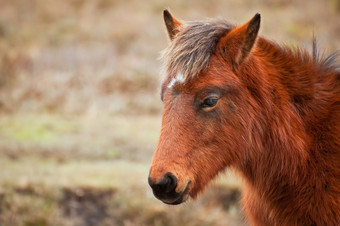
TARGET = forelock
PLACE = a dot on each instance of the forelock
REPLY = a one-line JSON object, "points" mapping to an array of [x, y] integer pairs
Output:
{"points": [[189, 52]]}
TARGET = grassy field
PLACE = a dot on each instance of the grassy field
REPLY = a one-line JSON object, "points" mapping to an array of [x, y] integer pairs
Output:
{"points": [[80, 112], [58, 171]]}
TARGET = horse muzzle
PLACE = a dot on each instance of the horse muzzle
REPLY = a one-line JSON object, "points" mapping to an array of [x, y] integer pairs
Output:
{"points": [[165, 190]]}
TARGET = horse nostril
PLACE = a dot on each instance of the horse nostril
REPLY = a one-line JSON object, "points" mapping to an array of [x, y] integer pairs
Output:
{"points": [[172, 182], [166, 185]]}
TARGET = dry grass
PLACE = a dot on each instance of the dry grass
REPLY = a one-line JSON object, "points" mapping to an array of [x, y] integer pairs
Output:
{"points": [[79, 56], [102, 192], [80, 111]]}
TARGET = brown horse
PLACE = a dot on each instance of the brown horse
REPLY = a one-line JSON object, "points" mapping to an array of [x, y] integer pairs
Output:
{"points": [[234, 99]]}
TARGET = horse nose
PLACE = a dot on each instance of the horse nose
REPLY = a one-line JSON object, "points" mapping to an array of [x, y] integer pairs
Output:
{"points": [[165, 187]]}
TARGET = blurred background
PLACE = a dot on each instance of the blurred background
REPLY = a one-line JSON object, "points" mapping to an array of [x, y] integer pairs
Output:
{"points": [[80, 111]]}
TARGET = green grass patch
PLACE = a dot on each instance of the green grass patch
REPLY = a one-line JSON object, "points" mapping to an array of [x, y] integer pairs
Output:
{"points": [[35, 128]]}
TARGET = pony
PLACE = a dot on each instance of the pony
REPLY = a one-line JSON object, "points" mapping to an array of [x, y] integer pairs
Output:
{"points": [[233, 99]]}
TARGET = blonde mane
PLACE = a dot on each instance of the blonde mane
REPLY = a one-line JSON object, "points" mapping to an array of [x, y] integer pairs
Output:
{"points": [[189, 52]]}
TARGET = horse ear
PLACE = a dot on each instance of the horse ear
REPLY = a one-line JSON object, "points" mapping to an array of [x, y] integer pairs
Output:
{"points": [[171, 23], [237, 44]]}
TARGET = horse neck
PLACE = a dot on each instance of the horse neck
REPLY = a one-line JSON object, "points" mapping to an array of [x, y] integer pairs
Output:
{"points": [[283, 87]]}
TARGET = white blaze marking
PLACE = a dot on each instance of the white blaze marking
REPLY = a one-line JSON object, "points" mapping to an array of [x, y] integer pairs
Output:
{"points": [[179, 78]]}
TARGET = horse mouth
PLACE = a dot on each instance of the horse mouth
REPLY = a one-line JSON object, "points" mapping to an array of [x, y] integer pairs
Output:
{"points": [[182, 197]]}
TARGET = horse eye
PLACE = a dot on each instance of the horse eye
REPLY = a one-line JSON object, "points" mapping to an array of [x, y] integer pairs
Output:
{"points": [[209, 103]]}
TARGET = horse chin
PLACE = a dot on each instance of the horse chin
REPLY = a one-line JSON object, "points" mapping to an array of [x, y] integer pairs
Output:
{"points": [[183, 196]]}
